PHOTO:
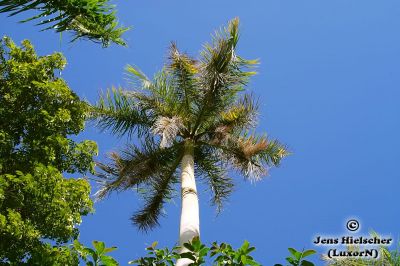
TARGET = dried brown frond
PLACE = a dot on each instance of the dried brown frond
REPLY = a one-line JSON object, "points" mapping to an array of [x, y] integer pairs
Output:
{"points": [[252, 146]]}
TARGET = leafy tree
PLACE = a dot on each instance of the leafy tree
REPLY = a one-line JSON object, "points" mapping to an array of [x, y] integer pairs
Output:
{"points": [[220, 254], [38, 112], [91, 19], [196, 114]]}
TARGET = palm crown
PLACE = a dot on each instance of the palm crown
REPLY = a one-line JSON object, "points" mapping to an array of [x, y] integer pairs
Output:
{"points": [[200, 105]]}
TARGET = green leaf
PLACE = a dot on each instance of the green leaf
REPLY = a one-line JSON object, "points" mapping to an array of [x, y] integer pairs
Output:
{"points": [[196, 243], [245, 246], [292, 261], [308, 253], [188, 255], [99, 246], [107, 250], [295, 253], [306, 263], [243, 259], [189, 246], [108, 261], [250, 249], [152, 246], [203, 252]]}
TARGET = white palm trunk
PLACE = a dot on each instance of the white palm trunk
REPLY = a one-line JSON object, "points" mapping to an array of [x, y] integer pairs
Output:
{"points": [[189, 225]]}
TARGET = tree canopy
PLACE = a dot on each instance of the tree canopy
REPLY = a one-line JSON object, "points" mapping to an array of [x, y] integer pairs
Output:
{"points": [[197, 103], [38, 112], [91, 19]]}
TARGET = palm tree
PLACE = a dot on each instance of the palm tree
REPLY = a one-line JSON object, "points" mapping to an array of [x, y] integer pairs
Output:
{"points": [[194, 114]]}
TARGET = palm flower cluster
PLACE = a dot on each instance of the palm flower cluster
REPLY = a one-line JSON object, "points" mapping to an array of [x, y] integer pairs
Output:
{"points": [[201, 103]]}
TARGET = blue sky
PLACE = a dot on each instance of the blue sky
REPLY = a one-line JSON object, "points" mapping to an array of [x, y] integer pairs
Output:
{"points": [[329, 88]]}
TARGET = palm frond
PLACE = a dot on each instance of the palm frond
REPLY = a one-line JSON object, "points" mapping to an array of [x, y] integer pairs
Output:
{"points": [[273, 153], [210, 167], [134, 166], [183, 70], [117, 111], [160, 96], [222, 73], [150, 168], [242, 115], [137, 75], [159, 191], [251, 155], [221, 67], [91, 19]]}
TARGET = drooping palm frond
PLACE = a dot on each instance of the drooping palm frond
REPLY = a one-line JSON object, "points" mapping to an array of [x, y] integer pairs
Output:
{"points": [[149, 168], [159, 190], [134, 166], [91, 19], [210, 167]]}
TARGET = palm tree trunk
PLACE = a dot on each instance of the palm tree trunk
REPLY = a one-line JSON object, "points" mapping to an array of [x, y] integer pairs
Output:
{"points": [[189, 225]]}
